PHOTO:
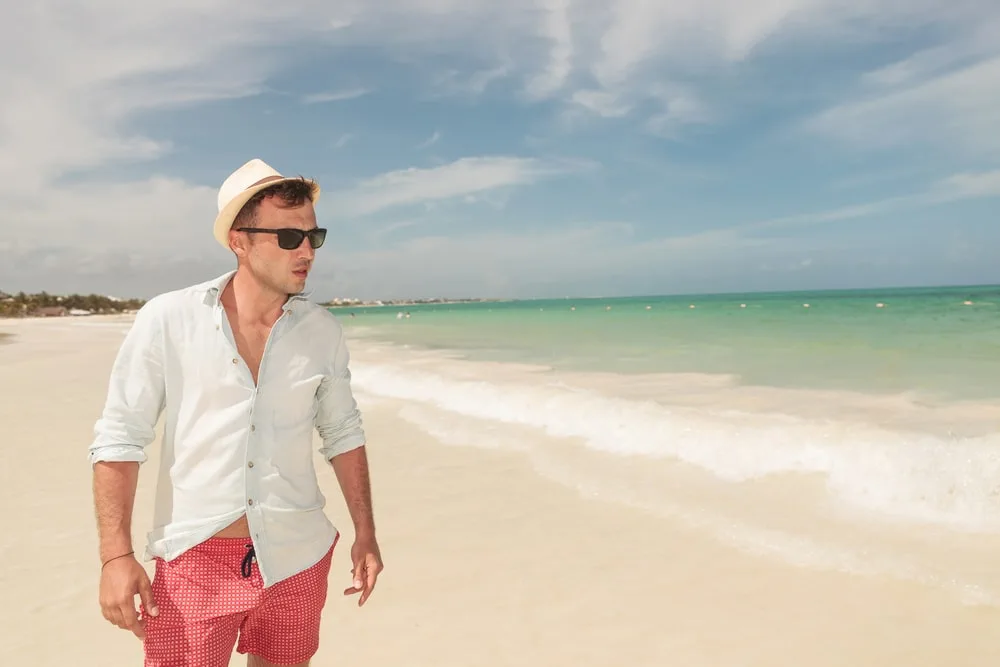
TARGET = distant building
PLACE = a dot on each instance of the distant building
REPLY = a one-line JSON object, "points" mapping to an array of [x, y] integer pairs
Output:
{"points": [[51, 311]]}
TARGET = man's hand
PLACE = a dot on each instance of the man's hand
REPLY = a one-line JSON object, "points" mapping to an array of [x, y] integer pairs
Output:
{"points": [[367, 565], [351, 468], [121, 580]]}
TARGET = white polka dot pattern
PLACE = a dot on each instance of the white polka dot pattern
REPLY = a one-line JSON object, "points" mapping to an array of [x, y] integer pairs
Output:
{"points": [[207, 607]]}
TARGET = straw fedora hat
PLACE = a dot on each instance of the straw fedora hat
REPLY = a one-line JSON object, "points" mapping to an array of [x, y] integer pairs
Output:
{"points": [[239, 187]]}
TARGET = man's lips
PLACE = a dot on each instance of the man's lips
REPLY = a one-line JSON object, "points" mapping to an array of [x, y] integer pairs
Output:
{"points": [[301, 273]]}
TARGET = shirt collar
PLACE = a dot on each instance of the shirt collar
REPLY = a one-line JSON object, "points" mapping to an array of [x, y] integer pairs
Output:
{"points": [[214, 287]]}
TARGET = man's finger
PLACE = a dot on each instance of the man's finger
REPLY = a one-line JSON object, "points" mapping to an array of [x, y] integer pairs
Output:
{"points": [[114, 618], [130, 618], [359, 571], [372, 573], [146, 595], [355, 586]]}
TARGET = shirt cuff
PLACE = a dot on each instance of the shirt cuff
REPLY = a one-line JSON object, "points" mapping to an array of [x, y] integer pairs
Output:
{"points": [[117, 453], [341, 445]]}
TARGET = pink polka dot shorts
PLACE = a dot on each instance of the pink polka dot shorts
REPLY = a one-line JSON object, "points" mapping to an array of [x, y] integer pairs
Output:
{"points": [[212, 599]]}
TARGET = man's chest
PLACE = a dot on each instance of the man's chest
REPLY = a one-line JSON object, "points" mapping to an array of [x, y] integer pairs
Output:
{"points": [[221, 366], [251, 343]]}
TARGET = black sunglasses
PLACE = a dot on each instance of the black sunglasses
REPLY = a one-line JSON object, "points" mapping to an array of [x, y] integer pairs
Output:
{"points": [[290, 238]]}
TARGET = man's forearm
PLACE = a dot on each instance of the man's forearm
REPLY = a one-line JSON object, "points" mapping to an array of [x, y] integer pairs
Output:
{"points": [[351, 469], [114, 497]]}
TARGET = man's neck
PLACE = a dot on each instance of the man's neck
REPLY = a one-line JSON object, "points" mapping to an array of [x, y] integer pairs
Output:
{"points": [[253, 302]]}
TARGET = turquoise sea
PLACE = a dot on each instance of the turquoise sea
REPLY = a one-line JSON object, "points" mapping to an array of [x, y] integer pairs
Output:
{"points": [[939, 342]]}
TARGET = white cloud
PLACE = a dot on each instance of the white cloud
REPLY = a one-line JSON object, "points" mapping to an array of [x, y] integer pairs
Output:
{"points": [[579, 258], [148, 219], [83, 71], [955, 111], [80, 79], [977, 41], [462, 177], [676, 107], [601, 102], [129, 239], [670, 52], [556, 28], [79, 75], [680, 108], [455, 82], [612, 258], [957, 187], [335, 96], [969, 185], [683, 33], [430, 141]]}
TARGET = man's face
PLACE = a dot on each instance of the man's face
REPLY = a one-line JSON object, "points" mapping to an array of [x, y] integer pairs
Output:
{"points": [[280, 270]]}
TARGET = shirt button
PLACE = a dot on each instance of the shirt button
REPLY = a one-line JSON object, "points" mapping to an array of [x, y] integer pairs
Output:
{"points": [[236, 361], [252, 428], [250, 465], [250, 501]]}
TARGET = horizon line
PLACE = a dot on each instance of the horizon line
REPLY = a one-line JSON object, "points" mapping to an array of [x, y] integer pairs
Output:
{"points": [[756, 293]]}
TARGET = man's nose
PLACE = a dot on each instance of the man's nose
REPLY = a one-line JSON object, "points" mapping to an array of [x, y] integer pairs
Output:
{"points": [[305, 250]]}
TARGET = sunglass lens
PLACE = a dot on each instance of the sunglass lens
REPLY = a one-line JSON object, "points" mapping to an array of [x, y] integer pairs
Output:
{"points": [[290, 239], [317, 237]]}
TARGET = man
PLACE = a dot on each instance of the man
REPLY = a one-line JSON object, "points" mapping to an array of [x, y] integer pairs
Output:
{"points": [[242, 368]]}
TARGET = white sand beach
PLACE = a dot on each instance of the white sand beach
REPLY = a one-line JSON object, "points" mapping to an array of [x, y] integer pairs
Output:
{"points": [[487, 561]]}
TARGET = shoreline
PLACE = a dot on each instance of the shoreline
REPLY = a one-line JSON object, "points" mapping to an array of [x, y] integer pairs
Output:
{"points": [[886, 475], [909, 411]]}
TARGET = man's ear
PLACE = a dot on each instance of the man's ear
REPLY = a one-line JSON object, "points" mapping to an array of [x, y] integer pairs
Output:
{"points": [[238, 243]]}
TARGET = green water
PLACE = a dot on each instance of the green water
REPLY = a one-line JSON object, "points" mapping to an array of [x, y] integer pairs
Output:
{"points": [[923, 340]]}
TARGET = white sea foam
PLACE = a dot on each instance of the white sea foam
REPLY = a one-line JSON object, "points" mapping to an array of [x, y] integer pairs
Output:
{"points": [[807, 552], [896, 475]]}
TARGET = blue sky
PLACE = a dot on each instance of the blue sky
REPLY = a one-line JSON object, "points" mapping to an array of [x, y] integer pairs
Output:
{"points": [[517, 149]]}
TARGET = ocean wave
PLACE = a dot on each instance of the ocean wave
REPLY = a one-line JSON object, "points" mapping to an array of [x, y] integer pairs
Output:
{"points": [[820, 549], [891, 474]]}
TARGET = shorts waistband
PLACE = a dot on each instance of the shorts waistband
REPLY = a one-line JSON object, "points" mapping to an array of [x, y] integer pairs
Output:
{"points": [[225, 545], [231, 547]]}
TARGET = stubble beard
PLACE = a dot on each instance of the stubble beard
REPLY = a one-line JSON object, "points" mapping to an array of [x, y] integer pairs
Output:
{"points": [[279, 281]]}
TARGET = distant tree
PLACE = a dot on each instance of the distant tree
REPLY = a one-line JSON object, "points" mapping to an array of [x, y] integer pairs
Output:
{"points": [[21, 304]]}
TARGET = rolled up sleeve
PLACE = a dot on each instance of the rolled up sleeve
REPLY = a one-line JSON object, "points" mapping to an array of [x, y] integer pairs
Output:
{"points": [[136, 393], [338, 419]]}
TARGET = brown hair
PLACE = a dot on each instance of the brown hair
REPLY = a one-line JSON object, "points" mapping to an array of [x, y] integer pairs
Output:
{"points": [[291, 193]]}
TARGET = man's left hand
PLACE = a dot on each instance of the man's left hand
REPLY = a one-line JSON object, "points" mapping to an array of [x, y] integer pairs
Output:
{"points": [[367, 566]]}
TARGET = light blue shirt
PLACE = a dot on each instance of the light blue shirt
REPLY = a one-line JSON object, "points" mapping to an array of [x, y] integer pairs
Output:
{"points": [[230, 447]]}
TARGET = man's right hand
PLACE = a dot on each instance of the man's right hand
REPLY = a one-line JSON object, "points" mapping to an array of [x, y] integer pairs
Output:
{"points": [[121, 580]]}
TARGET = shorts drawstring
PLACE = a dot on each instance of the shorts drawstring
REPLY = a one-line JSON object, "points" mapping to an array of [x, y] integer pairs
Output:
{"points": [[247, 562]]}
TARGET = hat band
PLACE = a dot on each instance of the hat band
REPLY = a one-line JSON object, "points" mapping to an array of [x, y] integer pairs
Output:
{"points": [[266, 179]]}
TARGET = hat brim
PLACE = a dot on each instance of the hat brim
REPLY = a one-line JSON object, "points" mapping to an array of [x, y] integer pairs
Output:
{"points": [[224, 221]]}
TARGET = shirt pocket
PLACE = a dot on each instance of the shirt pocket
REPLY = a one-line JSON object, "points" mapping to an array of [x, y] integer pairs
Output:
{"points": [[294, 404], [293, 413]]}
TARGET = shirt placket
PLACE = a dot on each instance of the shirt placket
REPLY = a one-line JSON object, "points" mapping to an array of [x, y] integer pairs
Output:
{"points": [[253, 447]]}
